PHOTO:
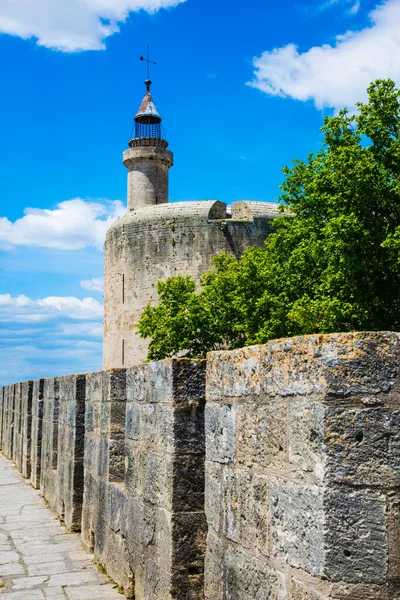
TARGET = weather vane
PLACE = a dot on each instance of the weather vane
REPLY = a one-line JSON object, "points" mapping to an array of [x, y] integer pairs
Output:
{"points": [[148, 61]]}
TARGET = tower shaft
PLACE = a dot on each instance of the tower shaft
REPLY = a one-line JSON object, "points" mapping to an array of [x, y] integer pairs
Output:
{"points": [[148, 168], [147, 158]]}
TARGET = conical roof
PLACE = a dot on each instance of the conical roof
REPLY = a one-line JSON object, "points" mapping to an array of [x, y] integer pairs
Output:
{"points": [[147, 108]]}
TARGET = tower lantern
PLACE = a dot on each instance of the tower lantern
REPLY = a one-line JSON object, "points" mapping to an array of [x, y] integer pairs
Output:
{"points": [[147, 159]]}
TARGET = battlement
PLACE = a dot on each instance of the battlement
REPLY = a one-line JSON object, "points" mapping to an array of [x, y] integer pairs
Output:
{"points": [[266, 472], [157, 242]]}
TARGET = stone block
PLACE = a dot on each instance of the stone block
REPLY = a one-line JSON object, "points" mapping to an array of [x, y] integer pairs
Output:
{"points": [[188, 483], [301, 591], [336, 365], [238, 522], [189, 384], [157, 425], [188, 431], [116, 457], [213, 496], [37, 428], [393, 518], [161, 381], [117, 417], [137, 383], [154, 582], [189, 531], [248, 578], [363, 446], [233, 374], [220, 433], [117, 504], [149, 532], [91, 453], [134, 470], [118, 563], [114, 385], [297, 525], [346, 445], [158, 478], [94, 387], [214, 583], [339, 533], [307, 431], [133, 419], [260, 513], [261, 434], [356, 545]]}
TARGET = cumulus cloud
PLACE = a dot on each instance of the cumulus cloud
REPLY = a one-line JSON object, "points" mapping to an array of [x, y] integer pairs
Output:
{"points": [[336, 75], [50, 336], [72, 225], [95, 285], [71, 25], [22, 309]]}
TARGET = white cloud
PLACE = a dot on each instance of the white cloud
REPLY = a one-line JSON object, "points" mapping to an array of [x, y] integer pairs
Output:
{"points": [[95, 285], [22, 309], [73, 225], [50, 336], [71, 25], [355, 7], [335, 76], [83, 330]]}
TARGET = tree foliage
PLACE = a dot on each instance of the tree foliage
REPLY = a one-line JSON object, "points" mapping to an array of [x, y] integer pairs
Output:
{"points": [[333, 264]]}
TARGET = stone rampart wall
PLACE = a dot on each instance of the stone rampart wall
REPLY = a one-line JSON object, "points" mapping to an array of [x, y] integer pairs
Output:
{"points": [[273, 476]]}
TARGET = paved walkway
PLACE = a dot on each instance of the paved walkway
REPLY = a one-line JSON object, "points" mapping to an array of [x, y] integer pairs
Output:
{"points": [[38, 559]]}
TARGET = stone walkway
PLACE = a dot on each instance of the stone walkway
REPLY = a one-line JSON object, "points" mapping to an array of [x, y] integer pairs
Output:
{"points": [[38, 559]]}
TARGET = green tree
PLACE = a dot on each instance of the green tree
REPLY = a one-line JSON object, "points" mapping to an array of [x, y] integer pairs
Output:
{"points": [[332, 264]]}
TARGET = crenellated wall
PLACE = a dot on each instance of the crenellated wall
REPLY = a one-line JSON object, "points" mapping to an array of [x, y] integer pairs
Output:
{"points": [[266, 473]]}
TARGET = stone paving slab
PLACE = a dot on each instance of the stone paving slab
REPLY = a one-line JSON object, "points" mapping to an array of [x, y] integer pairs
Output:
{"points": [[39, 560]]}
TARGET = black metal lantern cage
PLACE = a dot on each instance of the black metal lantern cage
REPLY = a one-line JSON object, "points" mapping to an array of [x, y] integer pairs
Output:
{"points": [[148, 127]]}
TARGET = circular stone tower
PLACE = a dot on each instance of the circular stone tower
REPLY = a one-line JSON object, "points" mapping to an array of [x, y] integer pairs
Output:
{"points": [[156, 239], [147, 158]]}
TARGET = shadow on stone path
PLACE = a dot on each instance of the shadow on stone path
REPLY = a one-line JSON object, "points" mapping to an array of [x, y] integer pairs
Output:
{"points": [[38, 559]]}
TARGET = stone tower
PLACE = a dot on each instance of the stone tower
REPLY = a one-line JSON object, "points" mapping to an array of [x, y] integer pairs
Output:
{"points": [[147, 158], [156, 239]]}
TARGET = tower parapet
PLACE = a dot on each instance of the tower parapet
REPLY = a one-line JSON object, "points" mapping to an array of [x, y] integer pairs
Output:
{"points": [[147, 158]]}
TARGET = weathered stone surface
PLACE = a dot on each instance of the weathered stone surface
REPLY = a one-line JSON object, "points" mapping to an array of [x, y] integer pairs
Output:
{"points": [[144, 509], [220, 433], [300, 591], [261, 434], [345, 445], [249, 579], [300, 485], [334, 364], [393, 510], [50, 432], [356, 545], [214, 583], [26, 445], [237, 505], [339, 534], [363, 446], [306, 437], [297, 525], [214, 496], [37, 427], [346, 591], [155, 242]]}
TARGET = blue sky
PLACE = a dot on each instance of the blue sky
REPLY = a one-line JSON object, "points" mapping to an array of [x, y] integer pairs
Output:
{"points": [[242, 90]]}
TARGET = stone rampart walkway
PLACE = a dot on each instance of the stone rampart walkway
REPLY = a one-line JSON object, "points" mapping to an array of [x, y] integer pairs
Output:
{"points": [[38, 559]]}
